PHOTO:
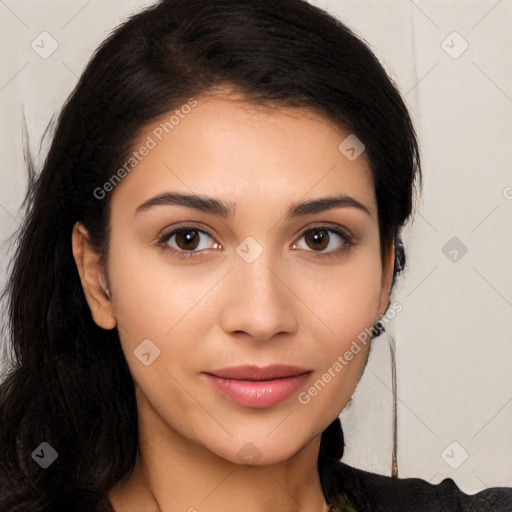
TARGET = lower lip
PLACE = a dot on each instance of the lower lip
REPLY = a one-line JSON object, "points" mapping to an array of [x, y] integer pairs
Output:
{"points": [[258, 393]]}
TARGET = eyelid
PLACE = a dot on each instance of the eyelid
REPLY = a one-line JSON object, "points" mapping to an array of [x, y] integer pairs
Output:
{"points": [[348, 240], [164, 236], [167, 232], [328, 227]]}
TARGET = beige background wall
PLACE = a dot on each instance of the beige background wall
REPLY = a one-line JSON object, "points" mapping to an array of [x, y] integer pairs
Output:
{"points": [[451, 60]]}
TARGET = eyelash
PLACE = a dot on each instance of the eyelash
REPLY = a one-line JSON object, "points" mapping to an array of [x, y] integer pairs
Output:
{"points": [[163, 240]]}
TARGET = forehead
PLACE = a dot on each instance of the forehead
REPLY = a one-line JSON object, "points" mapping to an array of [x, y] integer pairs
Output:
{"points": [[227, 147]]}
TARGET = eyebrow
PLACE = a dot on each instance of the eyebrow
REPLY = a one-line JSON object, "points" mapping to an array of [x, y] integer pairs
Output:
{"points": [[226, 209]]}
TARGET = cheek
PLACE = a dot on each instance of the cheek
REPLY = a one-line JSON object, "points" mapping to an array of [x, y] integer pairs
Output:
{"points": [[345, 297], [153, 296], [342, 342], [343, 306]]}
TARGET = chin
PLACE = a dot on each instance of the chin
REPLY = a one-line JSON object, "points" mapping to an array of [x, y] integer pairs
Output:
{"points": [[263, 453]]}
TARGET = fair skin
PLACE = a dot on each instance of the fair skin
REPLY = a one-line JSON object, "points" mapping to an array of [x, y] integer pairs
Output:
{"points": [[300, 302]]}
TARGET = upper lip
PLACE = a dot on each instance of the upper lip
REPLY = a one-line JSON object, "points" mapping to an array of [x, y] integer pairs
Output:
{"points": [[252, 372]]}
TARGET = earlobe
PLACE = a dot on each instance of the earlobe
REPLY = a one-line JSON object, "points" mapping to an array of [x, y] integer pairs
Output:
{"points": [[88, 263]]}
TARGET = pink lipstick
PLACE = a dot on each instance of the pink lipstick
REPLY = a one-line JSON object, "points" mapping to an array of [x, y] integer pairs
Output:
{"points": [[258, 386]]}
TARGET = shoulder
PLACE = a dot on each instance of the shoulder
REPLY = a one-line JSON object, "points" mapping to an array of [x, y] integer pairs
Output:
{"points": [[372, 492]]}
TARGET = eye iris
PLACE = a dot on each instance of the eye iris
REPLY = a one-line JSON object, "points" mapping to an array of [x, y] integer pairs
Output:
{"points": [[185, 236], [318, 236], [188, 239]]}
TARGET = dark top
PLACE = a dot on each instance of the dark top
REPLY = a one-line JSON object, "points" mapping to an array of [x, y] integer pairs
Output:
{"points": [[355, 490]]}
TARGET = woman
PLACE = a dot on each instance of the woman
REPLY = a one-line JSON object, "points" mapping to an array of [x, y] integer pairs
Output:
{"points": [[206, 255]]}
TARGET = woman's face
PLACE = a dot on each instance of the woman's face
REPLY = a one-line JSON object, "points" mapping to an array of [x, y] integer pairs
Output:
{"points": [[252, 278]]}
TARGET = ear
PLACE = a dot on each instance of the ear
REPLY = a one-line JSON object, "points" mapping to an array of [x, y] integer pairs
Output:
{"points": [[387, 279], [90, 270]]}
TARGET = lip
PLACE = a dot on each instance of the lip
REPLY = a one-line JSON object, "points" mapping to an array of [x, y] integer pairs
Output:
{"points": [[254, 372], [258, 386]]}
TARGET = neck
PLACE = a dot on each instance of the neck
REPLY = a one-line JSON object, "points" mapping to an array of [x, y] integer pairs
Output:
{"points": [[173, 473]]}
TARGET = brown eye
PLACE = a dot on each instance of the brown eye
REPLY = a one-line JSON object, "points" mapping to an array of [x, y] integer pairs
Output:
{"points": [[317, 240], [187, 239], [321, 241]]}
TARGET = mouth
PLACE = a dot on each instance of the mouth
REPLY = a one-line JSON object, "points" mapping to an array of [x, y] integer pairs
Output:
{"points": [[257, 386]]}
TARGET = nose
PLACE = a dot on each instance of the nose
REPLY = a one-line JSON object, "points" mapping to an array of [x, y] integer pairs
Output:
{"points": [[259, 300]]}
